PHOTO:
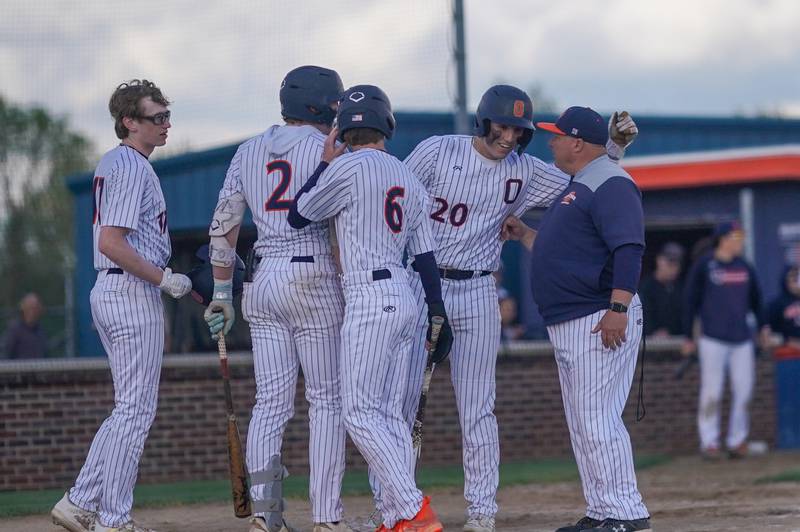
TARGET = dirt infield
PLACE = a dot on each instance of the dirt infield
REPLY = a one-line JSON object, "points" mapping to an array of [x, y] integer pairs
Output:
{"points": [[686, 494]]}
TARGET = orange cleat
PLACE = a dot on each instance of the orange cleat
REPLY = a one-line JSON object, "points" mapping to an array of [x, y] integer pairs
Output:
{"points": [[424, 521]]}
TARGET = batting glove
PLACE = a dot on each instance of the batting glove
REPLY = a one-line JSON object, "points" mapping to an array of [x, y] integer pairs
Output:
{"points": [[622, 129], [219, 314], [176, 285], [445, 342]]}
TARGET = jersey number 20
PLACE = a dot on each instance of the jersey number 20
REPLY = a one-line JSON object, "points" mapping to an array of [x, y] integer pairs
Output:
{"points": [[393, 211]]}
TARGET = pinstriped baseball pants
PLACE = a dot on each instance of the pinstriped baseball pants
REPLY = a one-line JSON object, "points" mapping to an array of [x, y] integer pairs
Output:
{"points": [[295, 315], [376, 343], [474, 316], [129, 317], [595, 383]]}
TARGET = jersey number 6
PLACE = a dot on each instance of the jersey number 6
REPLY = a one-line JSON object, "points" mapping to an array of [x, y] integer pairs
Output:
{"points": [[393, 211]]}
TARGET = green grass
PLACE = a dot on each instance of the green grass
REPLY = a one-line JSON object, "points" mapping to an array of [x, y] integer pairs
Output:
{"points": [[792, 475], [16, 503]]}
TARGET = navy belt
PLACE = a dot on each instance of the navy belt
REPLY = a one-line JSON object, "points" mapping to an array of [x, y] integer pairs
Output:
{"points": [[457, 275], [303, 258], [380, 275], [114, 271]]}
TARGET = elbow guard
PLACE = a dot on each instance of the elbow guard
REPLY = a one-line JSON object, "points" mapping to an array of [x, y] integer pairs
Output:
{"points": [[227, 216]]}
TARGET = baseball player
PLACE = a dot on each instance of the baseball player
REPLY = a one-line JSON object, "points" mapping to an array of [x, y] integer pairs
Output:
{"points": [[475, 182], [722, 289], [294, 305], [131, 251], [585, 269], [380, 211]]}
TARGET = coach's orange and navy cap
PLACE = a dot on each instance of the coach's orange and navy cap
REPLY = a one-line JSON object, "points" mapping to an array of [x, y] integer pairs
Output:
{"points": [[579, 122], [726, 228]]}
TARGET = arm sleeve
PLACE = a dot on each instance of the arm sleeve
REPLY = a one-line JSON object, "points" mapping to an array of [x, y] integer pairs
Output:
{"points": [[547, 184], [294, 218], [756, 305], [330, 195], [233, 178], [627, 267], [693, 294], [425, 263], [123, 191], [616, 211], [776, 316], [422, 161]]}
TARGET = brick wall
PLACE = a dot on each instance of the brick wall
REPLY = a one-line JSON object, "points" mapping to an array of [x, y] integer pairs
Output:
{"points": [[49, 411]]}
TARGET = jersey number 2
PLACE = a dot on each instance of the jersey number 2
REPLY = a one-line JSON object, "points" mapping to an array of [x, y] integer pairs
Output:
{"points": [[393, 211], [275, 201]]}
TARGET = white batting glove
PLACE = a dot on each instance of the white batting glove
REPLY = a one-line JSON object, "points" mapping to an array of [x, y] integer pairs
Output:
{"points": [[219, 314], [176, 285], [622, 129]]}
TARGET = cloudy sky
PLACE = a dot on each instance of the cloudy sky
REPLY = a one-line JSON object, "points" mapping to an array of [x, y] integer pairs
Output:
{"points": [[221, 62]]}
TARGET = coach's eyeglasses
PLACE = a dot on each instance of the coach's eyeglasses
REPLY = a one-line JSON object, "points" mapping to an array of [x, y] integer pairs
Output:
{"points": [[159, 118]]}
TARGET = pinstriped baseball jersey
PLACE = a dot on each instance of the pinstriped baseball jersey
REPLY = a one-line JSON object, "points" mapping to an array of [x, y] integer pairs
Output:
{"points": [[269, 170], [127, 193], [382, 209], [472, 195]]}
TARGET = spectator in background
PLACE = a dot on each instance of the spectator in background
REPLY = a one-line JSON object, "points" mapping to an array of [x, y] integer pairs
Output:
{"points": [[662, 293], [722, 290], [24, 337], [784, 313], [510, 328]]}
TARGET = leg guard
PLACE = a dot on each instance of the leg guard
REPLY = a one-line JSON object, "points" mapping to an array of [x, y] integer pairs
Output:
{"points": [[273, 504]]}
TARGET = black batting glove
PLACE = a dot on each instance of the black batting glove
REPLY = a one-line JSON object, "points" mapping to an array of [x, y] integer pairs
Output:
{"points": [[445, 342]]}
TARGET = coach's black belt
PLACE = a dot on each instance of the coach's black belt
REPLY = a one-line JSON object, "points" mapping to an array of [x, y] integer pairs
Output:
{"points": [[303, 258], [380, 275], [114, 271]]}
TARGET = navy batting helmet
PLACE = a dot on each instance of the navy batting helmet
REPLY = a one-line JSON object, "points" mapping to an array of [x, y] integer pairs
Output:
{"points": [[365, 106], [509, 106], [307, 93], [202, 277]]}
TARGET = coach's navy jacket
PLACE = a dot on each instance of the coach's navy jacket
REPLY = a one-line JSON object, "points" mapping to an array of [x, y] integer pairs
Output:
{"points": [[572, 259]]}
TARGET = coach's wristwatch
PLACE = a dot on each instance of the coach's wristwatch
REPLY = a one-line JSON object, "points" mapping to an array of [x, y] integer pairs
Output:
{"points": [[616, 306]]}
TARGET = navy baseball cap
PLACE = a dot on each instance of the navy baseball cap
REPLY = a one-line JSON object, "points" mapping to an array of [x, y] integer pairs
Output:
{"points": [[579, 122], [725, 228]]}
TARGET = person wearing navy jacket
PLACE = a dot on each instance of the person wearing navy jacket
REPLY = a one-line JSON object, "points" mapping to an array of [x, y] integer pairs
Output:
{"points": [[586, 262], [722, 290]]}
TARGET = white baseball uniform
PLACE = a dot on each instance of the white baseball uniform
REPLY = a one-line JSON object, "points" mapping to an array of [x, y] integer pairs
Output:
{"points": [[471, 196], [380, 211], [294, 307], [129, 317]]}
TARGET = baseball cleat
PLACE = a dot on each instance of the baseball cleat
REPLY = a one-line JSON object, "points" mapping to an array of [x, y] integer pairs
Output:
{"points": [[425, 520], [585, 523], [618, 525], [259, 524], [479, 523], [337, 526], [72, 517], [130, 526]]}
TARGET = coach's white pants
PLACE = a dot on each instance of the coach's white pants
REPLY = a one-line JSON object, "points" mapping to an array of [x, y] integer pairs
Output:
{"points": [[595, 383], [129, 316], [715, 358], [474, 316], [295, 314], [376, 343]]}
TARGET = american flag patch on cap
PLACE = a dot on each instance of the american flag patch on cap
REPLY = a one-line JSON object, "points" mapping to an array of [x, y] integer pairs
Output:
{"points": [[357, 118]]}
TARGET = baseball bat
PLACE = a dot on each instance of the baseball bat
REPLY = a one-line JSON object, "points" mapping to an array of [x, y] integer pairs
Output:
{"points": [[684, 366], [416, 432], [238, 472]]}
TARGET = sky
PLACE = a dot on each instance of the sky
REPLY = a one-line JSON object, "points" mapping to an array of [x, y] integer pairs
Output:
{"points": [[221, 63]]}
